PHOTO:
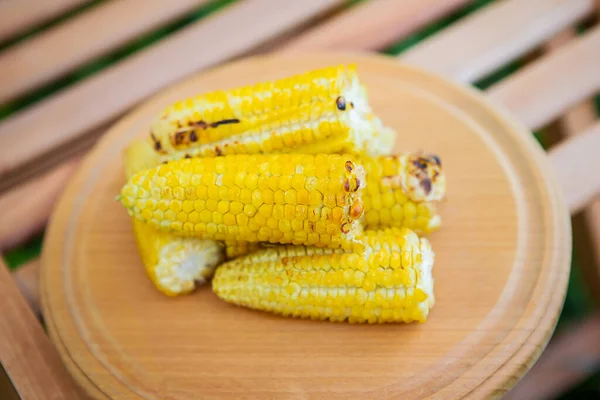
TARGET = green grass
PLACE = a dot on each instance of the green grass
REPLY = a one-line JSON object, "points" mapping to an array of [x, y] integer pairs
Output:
{"points": [[577, 304]]}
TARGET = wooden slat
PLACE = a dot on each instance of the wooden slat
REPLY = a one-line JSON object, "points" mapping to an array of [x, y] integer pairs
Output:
{"points": [[17, 16], [80, 39], [576, 164], [27, 280], [544, 89], [26, 353], [495, 35], [25, 210], [231, 32], [372, 25]]}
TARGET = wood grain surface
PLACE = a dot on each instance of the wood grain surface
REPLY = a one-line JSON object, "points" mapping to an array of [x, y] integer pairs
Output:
{"points": [[502, 263]]}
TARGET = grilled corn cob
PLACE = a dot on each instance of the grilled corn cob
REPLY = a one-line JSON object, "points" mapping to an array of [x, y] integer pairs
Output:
{"points": [[389, 281], [321, 111], [174, 264], [297, 198]]}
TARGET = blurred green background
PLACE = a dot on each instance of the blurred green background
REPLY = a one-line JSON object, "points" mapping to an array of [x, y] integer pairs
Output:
{"points": [[578, 303]]}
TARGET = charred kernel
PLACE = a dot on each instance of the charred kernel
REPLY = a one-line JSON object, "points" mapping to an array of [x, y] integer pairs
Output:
{"points": [[341, 103], [346, 185], [349, 166], [426, 185], [356, 184], [193, 137], [356, 210], [345, 228]]}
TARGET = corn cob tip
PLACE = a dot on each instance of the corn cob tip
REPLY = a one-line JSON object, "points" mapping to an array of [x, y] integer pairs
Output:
{"points": [[420, 176], [390, 280]]}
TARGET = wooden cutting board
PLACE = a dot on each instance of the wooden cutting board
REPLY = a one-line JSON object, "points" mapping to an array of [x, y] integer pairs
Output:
{"points": [[502, 264]]}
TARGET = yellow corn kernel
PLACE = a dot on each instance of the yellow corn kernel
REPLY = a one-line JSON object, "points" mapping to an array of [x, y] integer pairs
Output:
{"points": [[331, 233], [324, 110], [328, 284]]}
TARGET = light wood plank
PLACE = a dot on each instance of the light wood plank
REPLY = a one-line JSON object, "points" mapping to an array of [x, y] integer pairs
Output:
{"points": [[65, 116], [373, 24], [495, 35], [544, 89], [25, 210], [576, 164], [27, 355], [80, 39], [17, 16], [27, 279]]}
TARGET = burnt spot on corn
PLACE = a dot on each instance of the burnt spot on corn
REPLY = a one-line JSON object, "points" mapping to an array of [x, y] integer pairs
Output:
{"points": [[218, 151], [437, 160], [284, 261], [185, 135], [349, 166], [352, 104], [347, 185], [420, 163], [157, 144], [345, 227], [341, 103], [225, 122], [356, 184], [199, 124], [187, 156], [426, 185]]}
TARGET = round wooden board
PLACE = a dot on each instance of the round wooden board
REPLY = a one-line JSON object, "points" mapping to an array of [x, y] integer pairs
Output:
{"points": [[502, 263]]}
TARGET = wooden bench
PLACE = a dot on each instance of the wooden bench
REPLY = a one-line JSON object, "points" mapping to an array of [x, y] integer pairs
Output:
{"points": [[42, 142]]}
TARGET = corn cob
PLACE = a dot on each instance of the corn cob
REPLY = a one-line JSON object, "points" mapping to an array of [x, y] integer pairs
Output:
{"points": [[389, 281], [325, 110], [174, 264], [298, 198]]}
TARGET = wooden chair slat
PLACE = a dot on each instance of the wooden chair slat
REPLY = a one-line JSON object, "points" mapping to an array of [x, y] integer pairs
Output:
{"points": [[476, 46], [27, 280], [30, 360], [78, 109], [17, 16], [371, 25], [80, 39], [24, 211], [540, 92], [577, 164]]}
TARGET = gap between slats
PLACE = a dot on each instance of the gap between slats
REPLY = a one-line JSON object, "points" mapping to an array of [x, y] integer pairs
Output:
{"points": [[91, 34]]}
